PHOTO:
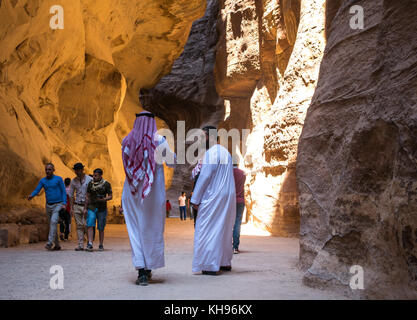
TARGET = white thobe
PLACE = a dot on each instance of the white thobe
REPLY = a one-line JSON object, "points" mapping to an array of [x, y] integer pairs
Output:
{"points": [[216, 195], [145, 220]]}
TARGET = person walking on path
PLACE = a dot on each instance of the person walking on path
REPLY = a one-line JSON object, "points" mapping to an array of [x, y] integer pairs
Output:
{"points": [[214, 197], [56, 199], [99, 191], [65, 216], [183, 209], [79, 186], [240, 178], [168, 208], [143, 196]]}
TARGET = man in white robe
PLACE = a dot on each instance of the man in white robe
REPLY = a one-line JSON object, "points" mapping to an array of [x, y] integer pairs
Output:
{"points": [[143, 197], [214, 197]]}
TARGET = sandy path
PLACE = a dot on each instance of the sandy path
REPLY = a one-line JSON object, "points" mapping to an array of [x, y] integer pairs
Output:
{"points": [[266, 269]]}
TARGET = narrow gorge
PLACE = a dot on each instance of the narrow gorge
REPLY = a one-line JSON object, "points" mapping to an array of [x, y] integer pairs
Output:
{"points": [[331, 154]]}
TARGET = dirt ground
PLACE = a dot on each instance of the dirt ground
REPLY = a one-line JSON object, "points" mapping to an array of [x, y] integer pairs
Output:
{"points": [[265, 269]]}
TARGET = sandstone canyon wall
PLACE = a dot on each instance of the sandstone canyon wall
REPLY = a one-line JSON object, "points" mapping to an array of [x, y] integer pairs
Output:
{"points": [[348, 185], [356, 164], [70, 95], [267, 65], [188, 92]]}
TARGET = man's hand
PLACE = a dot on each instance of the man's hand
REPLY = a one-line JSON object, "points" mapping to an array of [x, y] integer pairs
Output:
{"points": [[85, 211], [64, 206], [30, 198], [195, 206]]}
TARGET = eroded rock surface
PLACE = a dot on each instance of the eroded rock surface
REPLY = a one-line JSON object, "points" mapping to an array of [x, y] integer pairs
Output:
{"points": [[188, 92], [356, 164], [267, 67], [70, 95]]}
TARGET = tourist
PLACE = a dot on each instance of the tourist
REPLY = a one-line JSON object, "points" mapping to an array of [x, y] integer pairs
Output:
{"points": [[98, 193], [181, 202], [56, 199], [143, 195], [214, 196], [193, 212], [194, 174], [168, 208], [79, 185], [65, 215], [240, 178]]}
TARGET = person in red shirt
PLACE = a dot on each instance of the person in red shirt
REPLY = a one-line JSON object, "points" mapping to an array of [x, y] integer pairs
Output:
{"points": [[168, 208], [240, 178]]}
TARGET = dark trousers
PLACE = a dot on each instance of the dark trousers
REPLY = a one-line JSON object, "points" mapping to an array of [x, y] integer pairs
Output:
{"points": [[194, 211], [64, 225], [183, 212], [236, 229]]}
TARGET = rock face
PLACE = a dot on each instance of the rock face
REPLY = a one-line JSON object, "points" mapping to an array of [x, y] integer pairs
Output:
{"points": [[188, 92], [356, 164], [21, 226], [267, 65], [70, 95]]}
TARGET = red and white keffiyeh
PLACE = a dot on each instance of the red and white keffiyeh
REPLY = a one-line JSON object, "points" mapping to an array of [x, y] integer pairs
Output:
{"points": [[138, 151]]}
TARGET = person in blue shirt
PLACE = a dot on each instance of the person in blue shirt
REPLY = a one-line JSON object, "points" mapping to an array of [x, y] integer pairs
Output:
{"points": [[56, 200]]}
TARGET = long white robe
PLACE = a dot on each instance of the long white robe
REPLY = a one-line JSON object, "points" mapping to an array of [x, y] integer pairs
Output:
{"points": [[145, 220], [215, 193]]}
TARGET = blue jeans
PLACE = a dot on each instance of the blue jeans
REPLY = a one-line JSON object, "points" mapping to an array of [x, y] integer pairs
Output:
{"points": [[52, 211], [183, 211], [100, 216], [236, 229]]}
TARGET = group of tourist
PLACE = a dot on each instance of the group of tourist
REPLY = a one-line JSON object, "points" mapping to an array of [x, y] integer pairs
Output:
{"points": [[217, 202], [84, 198]]}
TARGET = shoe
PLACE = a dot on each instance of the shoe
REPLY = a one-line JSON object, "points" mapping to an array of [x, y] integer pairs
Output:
{"points": [[236, 251], [89, 248], [57, 248], [79, 249], [142, 280], [61, 236], [48, 246], [210, 273], [226, 268], [100, 247], [149, 274]]}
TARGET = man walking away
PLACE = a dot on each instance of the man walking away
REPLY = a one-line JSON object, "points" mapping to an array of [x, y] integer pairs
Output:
{"points": [[214, 196], [240, 178], [168, 208], [181, 202], [143, 194], [79, 185], [65, 215], [98, 193], [56, 199]]}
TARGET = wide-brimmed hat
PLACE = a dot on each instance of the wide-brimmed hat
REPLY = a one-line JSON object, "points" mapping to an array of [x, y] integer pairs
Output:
{"points": [[78, 165]]}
